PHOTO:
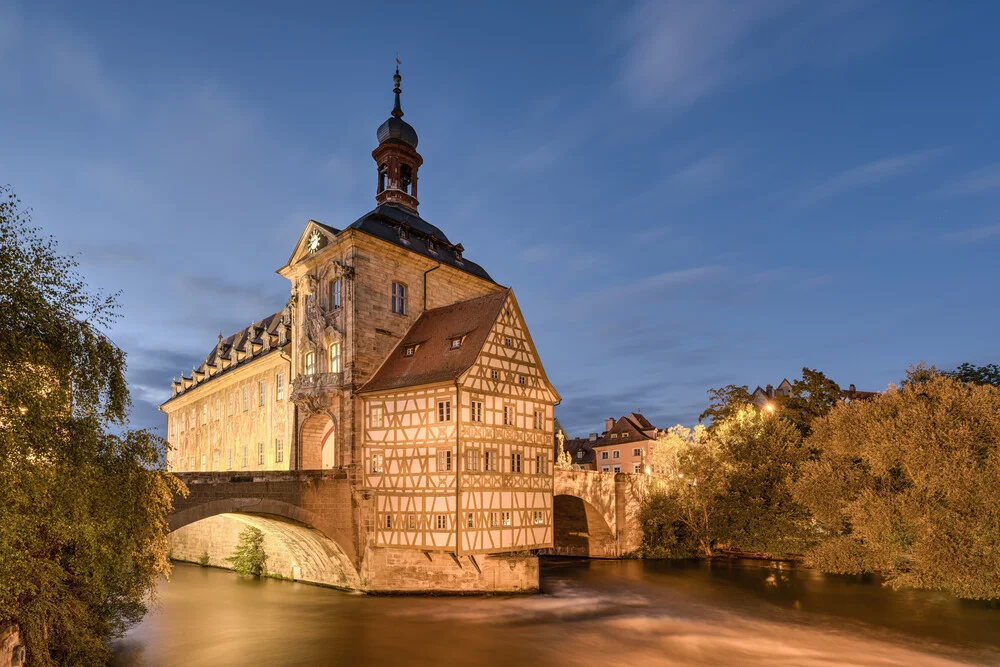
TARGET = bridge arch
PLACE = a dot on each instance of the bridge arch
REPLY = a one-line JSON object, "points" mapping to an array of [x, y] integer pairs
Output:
{"points": [[301, 544], [580, 529], [318, 438]]}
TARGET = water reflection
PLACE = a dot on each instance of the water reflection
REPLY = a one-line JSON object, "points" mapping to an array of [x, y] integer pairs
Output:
{"points": [[612, 612]]}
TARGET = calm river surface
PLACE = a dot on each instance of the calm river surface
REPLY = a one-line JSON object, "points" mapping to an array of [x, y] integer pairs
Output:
{"points": [[590, 613]]}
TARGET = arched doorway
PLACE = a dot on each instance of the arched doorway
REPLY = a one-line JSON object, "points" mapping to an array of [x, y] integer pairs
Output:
{"points": [[319, 443]]}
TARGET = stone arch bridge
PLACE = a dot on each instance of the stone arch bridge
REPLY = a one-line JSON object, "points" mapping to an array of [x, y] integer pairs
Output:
{"points": [[312, 519]]}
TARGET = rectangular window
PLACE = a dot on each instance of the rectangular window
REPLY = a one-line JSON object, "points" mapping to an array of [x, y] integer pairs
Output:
{"points": [[604, 456], [204, 413], [494, 522], [218, 409], [605, 469], [477, 411], [538, 518], [335, 294], [508, 342], [378, 463], [491, 460], [279, 387], [262, 390], [444, 460], [279, 451], [495, 374], [539, 420], [246, 398], [614, 454], [637, 451], [614, 435], [376, 416], [260, 454], [411, 521], [388, 521], [409, 350], [636, 467], [335, 358], [521, 379], [399, 298], [470, 521], [442, 521], [215, 461], [444, 411], [505, 518], [310, 363], [456, 343], [472, 460], [204, 463], [515, 463], [539, 464], [246, 456], [508, 415], [617, 468]]}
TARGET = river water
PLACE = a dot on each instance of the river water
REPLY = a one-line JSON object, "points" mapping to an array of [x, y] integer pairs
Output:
{"points": [[590, 613]]}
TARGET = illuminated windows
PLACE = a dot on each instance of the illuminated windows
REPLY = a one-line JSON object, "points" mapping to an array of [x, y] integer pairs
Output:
{"points": [[279, 450], [335, 294], [335, 358], [472, 460], [279, 387], [376, 416], [310, 368], [262, 392], [444, 460], [378, 463]]}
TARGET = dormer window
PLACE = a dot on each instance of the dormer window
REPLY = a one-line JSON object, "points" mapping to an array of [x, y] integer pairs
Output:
{"points": [[409, 350], [508, 342], [456, 343], [404, 234], [431, 247]]}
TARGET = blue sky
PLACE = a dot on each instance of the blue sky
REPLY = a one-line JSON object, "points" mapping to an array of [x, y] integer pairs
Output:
{"points": [[683, 195]]}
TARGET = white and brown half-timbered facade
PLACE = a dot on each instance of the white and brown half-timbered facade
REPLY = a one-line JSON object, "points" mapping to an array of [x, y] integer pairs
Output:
{"points": [[458, 433]]}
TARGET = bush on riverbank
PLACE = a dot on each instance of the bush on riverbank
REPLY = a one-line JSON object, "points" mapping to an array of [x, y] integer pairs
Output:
{"points": [[250, 559]]}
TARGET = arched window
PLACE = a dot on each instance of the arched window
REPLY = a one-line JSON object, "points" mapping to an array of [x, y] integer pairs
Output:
{"points": [[335, 358], [310, 368], [335, 293], [405, 177]]}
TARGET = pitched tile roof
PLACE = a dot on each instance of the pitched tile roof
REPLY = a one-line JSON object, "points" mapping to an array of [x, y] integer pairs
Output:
{"points": [[433, 358]]}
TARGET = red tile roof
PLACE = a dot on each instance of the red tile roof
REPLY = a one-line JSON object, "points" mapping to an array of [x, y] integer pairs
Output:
{"points": [[433, 359]]}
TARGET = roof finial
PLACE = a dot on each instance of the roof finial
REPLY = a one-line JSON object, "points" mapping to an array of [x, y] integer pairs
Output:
{"points": [[397, 110]]}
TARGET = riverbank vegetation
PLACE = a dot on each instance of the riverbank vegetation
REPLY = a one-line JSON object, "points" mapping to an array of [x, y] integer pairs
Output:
{"points": [[83, 499], [249, 558], [902, 483]]}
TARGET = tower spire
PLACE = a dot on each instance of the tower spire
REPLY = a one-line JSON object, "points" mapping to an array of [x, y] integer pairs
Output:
{"points": [[397, 110]]}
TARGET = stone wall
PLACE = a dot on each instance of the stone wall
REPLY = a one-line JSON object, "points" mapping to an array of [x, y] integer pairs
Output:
{"points": [[12, 652], [390, 570], [293, 551]]}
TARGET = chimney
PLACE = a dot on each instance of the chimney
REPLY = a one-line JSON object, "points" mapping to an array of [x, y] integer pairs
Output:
{"points": [[593, 437], [770, 391], [609, 423], [851, 388]]}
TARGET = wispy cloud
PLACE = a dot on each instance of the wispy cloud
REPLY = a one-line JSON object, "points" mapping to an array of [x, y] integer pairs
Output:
{"points": [[701, 173], [974, 234], [657, 283], [870, 173], [679, 52], [975, 182]]}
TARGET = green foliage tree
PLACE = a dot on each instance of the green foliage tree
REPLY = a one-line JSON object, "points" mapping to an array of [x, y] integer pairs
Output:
{"points": [[83, 500], [970, 373], [731, 491], [812, 397], [725, 401], [906, 485], [665, 453], [249, 559]]}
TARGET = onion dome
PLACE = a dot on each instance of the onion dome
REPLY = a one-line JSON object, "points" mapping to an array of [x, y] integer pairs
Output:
{"points": [[395, 128]]}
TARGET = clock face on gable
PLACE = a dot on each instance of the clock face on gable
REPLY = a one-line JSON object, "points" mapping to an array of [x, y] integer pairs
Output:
{"points": [[315, 241]]}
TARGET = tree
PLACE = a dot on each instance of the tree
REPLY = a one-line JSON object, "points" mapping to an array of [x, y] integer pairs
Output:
{"points": [[665, 453], [811, 398], [83, 500], [762, 455], [249, 559], [988, 374], [724, 402], [727, 488], [906, 485]]}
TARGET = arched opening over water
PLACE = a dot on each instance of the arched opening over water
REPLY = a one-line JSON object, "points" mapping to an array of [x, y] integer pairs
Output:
{"points": [[580, 529], [297, 547]]}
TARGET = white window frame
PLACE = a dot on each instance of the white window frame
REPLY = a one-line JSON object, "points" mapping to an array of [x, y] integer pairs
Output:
{"points": [[279, 450], [377, 416], [505, 519], [539, 464], [491, 458], [262, 389], [377, 463], [604, 456], [246, 399], [615, 454], [637, 451], [441, 522], [472, 460], [261, 456], [508, 415], [399, 298], [444, 411], [335, 294], [279, 391], [476, 411], [335, 357], [515, 463], [310, 364], [444, 462], [539, 420]]}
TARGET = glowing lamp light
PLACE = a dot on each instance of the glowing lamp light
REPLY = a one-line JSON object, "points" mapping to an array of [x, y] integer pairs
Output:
{"points": [[769, 407], [649, 471]]}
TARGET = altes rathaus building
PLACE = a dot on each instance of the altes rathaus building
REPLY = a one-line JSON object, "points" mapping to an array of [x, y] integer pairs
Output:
{"points": [[399, 364]]}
